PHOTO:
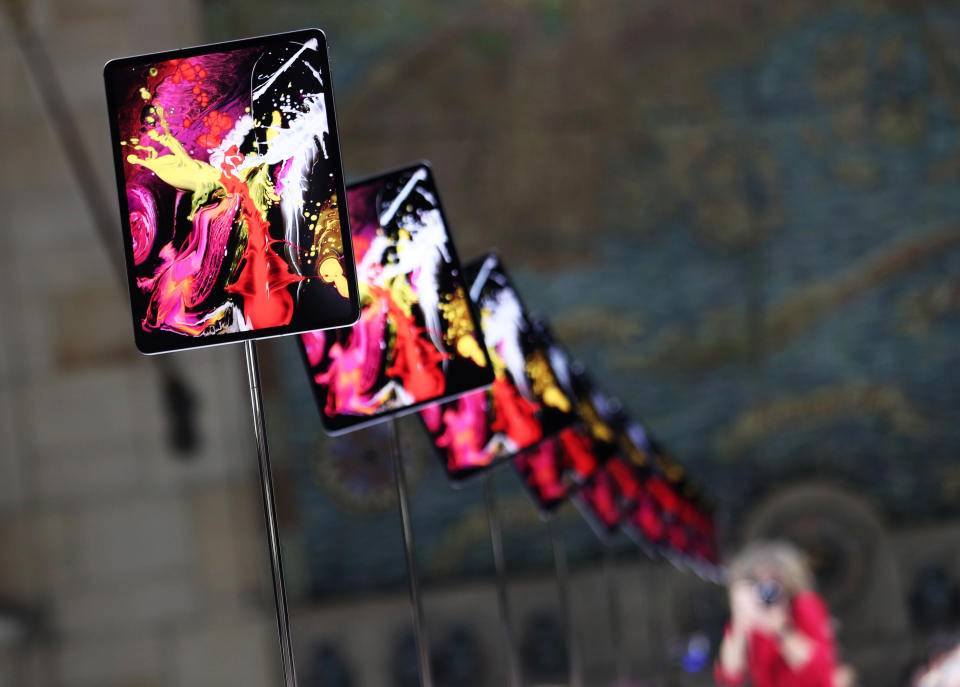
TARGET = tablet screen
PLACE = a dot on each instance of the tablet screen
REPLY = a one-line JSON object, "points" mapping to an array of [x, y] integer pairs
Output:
{"points": [[231, 192]]}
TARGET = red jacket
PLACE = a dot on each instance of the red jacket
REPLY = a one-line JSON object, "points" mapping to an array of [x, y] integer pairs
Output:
{"points": [[768, 669]]}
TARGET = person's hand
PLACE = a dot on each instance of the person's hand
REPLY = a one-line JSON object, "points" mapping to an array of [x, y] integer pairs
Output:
{"points": [[774, 619], [744, 607]]}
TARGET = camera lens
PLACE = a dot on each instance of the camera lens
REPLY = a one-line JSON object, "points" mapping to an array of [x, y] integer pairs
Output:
{"points": [[768, 591]]}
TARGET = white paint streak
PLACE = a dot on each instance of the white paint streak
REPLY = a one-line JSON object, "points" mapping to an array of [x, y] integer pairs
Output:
{"points": [[260, 90], [419, 175], [558, 361], [482, 275], [301, 141], [503, 324]]}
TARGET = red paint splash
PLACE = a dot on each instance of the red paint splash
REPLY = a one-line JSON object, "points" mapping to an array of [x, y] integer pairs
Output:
{"points": [[186, 71], [515, 416], [192, 72], [648, 521], [664, 495], [416, 360], [578, 453], [216, 126], [600, 496], [677, 538], [625, 478], [264, 275]]}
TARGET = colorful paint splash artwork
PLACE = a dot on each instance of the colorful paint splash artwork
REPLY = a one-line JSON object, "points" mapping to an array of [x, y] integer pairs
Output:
{"points": [[527, 400], [417, 340], [231, 192]]}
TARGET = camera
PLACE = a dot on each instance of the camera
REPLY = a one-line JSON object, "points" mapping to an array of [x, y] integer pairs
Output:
{"points": [[768, 591]]}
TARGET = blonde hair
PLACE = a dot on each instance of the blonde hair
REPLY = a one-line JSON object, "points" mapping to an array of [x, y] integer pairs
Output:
{"points": [[787, 563]]}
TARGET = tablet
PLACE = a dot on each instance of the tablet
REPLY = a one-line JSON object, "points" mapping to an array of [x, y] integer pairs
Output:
{"points": [[231, 192], [418, 340]]}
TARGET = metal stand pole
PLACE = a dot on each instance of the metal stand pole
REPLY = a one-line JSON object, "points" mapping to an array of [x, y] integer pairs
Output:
{"points": [[613, 599], [496, 543], [270, 515], [419, 627], [563, 585]]}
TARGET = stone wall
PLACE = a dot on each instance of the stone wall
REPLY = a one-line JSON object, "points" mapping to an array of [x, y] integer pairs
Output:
{"points": [[122, 561]]}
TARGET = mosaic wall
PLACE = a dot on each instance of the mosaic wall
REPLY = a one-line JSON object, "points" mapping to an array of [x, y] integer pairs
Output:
{"points": [[743, 217]]}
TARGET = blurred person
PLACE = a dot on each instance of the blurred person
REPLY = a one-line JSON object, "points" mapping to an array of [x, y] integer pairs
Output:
{"points": [[780, 633], [941, 669]]}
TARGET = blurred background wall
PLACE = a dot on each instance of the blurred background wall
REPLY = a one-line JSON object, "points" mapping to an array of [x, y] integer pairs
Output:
{"points": [[743, 217]]}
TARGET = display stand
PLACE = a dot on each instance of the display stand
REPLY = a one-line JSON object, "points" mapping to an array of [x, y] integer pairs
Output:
{"points": [[616, 625], [270, 516], [419, 627], [563, 585], [496, 543]]}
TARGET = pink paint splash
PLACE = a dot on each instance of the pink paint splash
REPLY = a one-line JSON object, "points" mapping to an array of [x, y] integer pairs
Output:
{"points": [[432, 417], [314, 342], [464, 434], [187, 276], [353, 368], [476, 421], [143, 221]]}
